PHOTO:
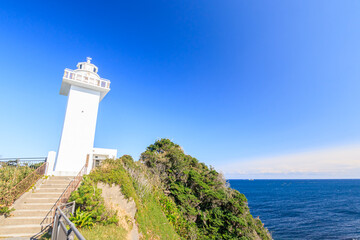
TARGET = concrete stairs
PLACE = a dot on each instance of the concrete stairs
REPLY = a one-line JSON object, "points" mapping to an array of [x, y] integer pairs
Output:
{"points": [[32, 207]]}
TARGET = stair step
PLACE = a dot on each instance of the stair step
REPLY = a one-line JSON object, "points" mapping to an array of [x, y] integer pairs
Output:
{"points": [[41, 200], [44, 195], [26, 228], [55, 184], [30, 212], [22, 220], [53, 187], [58, 182], [35, 206], [17, 236], [62, 177], [46, 190]]}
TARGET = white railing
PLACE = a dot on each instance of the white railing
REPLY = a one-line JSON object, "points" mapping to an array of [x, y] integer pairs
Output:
{"points": [[80, 77]]}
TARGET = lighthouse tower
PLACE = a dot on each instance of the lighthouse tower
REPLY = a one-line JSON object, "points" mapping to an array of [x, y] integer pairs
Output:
{"points": [[85, 90]]}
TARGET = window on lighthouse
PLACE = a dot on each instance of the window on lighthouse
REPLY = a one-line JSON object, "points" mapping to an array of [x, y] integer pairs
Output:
{"points": [[94, 70], [80, 66]]}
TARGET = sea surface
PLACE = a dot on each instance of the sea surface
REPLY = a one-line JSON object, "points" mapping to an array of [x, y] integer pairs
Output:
{"points": [[305, 209]]}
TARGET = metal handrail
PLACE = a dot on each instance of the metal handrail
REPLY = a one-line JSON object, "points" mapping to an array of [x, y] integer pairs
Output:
{"points": [[24, 185], [64, 197], [65, 206], [60, 231]]}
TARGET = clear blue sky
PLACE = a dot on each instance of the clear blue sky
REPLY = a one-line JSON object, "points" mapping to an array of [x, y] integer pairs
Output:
{"points": [[227, 80]]}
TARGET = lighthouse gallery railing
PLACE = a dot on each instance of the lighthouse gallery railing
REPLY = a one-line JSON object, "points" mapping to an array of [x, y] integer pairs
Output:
{"points": [[80, 77]]}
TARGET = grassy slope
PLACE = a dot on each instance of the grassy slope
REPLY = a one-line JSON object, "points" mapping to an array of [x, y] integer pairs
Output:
{"points": [[108, 232], [151, 221], [177, 198]]}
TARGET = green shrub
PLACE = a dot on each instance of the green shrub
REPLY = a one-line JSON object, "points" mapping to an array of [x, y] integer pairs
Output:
{"points": [[127, 174], [176, 196], [82, 219], [88, 199], [6, 211], [211, 209], [10, 175]]}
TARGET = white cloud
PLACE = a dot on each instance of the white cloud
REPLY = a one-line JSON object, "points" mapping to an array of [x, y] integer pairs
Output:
{"points": [[340, 162]]}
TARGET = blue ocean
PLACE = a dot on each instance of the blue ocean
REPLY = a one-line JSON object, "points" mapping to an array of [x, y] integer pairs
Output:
{"points": [[305, 209]]}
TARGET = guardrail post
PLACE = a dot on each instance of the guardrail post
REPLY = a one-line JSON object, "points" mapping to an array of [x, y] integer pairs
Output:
{"points": [[60, 231], [71, 234], [73, 208], [55, 227]]}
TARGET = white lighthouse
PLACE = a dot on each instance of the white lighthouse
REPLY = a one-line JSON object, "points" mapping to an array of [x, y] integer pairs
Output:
{"points": [[85, 89]]}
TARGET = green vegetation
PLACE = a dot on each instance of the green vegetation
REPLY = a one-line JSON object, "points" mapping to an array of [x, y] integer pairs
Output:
{"points": [[176, 197], [9, 177], [82, 219], [211, 208], [150, 218], [6, 210], [90, 206], [101, 232]]}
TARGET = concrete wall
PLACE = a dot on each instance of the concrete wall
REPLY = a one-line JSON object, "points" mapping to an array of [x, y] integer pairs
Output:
{"points": [[51, 158]]}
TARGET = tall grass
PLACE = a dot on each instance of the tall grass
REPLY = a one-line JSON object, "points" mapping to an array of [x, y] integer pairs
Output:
{"points": [[11, 175], [101, 232]]}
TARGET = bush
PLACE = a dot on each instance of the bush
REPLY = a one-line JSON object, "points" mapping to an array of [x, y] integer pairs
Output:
{"points": [[6, 211], [176, 196], [82, 219], [10, 175], [128, 174], [88, 199], [212, 210]]}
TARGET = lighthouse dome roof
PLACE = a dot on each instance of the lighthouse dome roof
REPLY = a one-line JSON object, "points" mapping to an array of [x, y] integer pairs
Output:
{"points": [[88, 68]]}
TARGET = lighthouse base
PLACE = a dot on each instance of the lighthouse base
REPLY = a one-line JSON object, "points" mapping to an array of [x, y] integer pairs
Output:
{"points": [[93, 160]]}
